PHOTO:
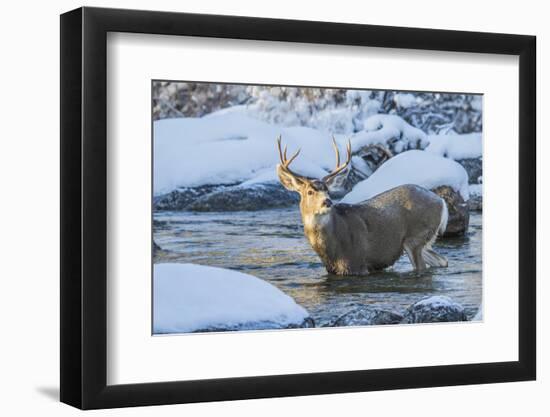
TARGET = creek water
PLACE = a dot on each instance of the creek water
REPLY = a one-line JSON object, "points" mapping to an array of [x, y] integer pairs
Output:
{"points": [[271, 245]]}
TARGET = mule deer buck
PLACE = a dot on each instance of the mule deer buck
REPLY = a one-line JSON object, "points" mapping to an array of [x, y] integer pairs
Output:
{"points": [[355, 239]]}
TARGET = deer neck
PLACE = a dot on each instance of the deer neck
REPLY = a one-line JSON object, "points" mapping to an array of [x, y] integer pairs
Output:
{"points": [[318, 222]]}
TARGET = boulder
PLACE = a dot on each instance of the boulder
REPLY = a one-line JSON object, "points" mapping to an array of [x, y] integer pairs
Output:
{"points": [[367, 316], [459, 213], [250, 198], [434, 309]]}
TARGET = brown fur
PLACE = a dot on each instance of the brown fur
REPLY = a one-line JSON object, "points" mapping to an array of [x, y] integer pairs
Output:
{"points": [[355, 239]]}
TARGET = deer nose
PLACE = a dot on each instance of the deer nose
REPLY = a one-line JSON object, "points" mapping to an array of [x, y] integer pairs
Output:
{"points": [[327, 203]]}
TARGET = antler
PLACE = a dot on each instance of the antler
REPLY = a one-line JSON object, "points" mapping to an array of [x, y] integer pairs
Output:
{"points": [[339, 168], [286, 162]]}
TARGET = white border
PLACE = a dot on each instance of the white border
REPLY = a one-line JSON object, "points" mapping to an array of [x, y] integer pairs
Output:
{"points": [[135, 356]]}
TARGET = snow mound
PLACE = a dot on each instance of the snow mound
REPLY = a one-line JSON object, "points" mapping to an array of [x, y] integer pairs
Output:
{"points": [[381, 128], [228, 147], [191, 297], [412, 167], [456, 146]]}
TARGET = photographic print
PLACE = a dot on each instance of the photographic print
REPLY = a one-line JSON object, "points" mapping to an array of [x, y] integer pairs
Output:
{"points": [[296, 207]]}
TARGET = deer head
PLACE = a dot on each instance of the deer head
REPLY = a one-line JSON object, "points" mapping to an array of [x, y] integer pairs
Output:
{"points": [[314, 197]]}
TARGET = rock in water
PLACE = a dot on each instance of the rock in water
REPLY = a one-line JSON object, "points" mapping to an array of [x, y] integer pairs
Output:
{"points": [[367, 316], [250, 198], [259, 196], [179, 199], [434, 309], [459, 213]]}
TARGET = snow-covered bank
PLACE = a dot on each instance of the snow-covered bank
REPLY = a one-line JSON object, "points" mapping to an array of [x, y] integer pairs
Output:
{"points": [[228, 147], [456, 146], [413, 167], [190, 298]]}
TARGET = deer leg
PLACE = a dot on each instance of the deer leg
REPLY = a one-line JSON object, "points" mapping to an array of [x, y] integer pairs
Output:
{"points": [[433, 258], [419, 259], [415, 256]]}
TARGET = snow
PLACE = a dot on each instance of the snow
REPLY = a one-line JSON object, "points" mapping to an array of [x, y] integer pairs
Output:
{"points": [[228, 147], [381, 128], [405, 100], [321, 109], [190, 297], [456, 146], [412, 167]]}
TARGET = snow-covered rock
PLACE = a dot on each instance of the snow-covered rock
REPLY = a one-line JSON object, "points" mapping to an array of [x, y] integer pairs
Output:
{"points": [[391, 131], [191, 298], [476, 197], [434, 309], [367, 316], [466, 149], [412, 167], [456, 147]]}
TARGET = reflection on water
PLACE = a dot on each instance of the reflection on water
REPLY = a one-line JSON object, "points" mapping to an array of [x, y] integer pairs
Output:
{"points": [[270, 244]]}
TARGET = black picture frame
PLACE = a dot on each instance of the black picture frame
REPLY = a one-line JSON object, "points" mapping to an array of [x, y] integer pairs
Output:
{"points": [[84, 207]]}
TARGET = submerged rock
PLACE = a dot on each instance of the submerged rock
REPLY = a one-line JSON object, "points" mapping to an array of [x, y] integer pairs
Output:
{"points": [[433, 310], [367, 316], [250, 198], [459, 213]]}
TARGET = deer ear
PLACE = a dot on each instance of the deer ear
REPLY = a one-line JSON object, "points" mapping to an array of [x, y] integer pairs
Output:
{"points": [[289, 181]]}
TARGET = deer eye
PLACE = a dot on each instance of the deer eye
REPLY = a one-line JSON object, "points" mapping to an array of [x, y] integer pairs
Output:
{"points": [[310, 192]]}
